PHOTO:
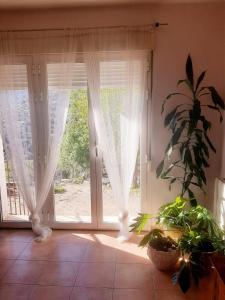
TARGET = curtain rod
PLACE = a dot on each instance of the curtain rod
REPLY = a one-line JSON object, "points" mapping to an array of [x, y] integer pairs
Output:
{"points": [[154, 25]]}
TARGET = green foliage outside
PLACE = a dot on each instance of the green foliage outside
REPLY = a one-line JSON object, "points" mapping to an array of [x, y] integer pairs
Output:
{"points": [[74, 157], [59, 189]]}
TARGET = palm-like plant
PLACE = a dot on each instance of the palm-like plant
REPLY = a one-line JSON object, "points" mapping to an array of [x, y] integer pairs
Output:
{"points": [[190, 133]]}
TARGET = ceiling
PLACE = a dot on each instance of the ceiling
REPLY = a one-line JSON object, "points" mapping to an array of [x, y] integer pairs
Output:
{"points": [[29, 4]]}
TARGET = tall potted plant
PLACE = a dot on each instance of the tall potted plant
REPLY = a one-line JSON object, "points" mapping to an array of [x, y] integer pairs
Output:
{"points": [[186, 160], [190, 142]]}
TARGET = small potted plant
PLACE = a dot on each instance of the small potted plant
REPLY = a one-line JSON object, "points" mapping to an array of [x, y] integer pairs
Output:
{"points": [[185, 161], [162, 250]]}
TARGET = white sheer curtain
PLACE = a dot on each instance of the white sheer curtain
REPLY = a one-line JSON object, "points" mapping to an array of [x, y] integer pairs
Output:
{"points": [[117, 86], [33, 114], [219, 202]]}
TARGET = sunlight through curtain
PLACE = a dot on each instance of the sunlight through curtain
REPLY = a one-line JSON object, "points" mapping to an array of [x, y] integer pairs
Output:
{"points": [[32, 114], [117, 87]]}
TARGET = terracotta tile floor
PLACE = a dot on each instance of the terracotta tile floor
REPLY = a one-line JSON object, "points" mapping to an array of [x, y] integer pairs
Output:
{"points": [[74, 265]]}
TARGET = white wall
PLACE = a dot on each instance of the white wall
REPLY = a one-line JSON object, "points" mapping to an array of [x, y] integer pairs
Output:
{"points": [[197, 29]]}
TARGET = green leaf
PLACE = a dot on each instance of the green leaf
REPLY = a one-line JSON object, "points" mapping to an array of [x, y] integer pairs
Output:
{"points": [[168, 97], [187, 182], [202, 174], [205, 149], [189, 70], [170, 116], [196, 111], [217, 100], [159, 168], [192, 199], [184, 277], [171, 166], [176, 135], [213, 107], [205, 163], [200, 78], [140, 222], [187, 156], [197, 156], [187, 82], [176, 118], [146, 239], [168, 149], [217, 108], [209, 142], [205, 123], [171, 182], [167, 171], [181, 81]]}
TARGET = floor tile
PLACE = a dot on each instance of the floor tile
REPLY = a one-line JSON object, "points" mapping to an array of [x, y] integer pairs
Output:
{"points": [[134, 276], [24, 272], [4, 233], [131, 253], [59, 273], [91, 294], [17, 235], [204, 292], [5, 264], [96, 275], [162, 280], [15, 292], [69, 251], [106, 238], [170, 295], [38, 251], [133, 294], [11, 250], [50, 293], [99, 253], [96, 263], [70, 236]]}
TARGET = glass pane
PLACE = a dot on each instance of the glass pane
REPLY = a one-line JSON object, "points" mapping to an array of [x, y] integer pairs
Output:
{"points": [[72, 179], [14, 207], [15, 88], [72, 194], [117, 85], [110, 208]]}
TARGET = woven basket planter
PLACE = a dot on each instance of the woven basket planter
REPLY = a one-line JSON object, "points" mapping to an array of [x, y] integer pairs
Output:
{"points": [[163, 260]]}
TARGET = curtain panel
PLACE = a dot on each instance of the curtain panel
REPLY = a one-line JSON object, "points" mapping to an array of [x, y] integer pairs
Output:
{"points": [[33, 113]]}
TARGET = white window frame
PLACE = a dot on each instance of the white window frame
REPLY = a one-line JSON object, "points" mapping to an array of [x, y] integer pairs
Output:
{"points": [[37, 84]]}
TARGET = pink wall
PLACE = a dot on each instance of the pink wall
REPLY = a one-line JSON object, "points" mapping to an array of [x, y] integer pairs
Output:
{"points": [[198, 29]]}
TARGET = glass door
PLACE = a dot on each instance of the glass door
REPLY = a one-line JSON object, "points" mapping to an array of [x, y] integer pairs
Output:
{"points": [[18, 82], [72, 200], [114, 84], [81, 196]]}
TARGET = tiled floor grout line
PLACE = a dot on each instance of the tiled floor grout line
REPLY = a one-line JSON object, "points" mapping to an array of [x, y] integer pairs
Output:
{"points": [[77, 275], [113, 291], [153, 288]]}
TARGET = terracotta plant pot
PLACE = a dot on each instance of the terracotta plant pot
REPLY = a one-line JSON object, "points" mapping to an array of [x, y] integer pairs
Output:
{"points": [[163, 260], [218, 262]]}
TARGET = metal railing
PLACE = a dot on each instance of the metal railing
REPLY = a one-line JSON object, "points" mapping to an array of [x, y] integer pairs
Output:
{"points": [[16, 204]]}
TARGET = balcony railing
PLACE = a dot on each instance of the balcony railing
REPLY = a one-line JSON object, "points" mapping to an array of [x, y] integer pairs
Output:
{"points": [[16, 205]]}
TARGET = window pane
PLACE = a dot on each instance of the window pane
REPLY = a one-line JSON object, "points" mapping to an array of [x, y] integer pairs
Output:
{"points": [[14, 87], [119, 98], [72, 179], [110, 208], [72, 192]]}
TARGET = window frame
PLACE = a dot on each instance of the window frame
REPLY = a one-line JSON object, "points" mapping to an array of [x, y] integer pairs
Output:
{"points": [[37, 83]]}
